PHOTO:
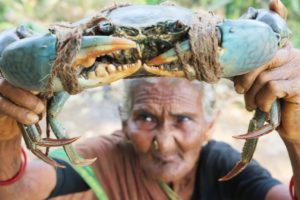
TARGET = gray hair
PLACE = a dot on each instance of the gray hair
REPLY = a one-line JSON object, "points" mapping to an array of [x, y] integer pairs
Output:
{"points": [[208, 91]]}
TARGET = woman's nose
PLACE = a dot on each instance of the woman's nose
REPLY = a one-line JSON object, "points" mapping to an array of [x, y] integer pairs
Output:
{"points": [[165, 142]]}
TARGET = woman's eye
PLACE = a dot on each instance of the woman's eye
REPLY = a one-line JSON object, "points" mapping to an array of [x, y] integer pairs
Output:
{"points": [[145, 121], [182, 118], [146, 117]]}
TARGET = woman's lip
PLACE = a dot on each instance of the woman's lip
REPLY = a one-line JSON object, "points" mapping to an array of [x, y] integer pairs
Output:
{"points": [[164, 158]]}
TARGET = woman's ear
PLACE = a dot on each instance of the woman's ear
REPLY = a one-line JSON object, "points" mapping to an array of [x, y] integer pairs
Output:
{"points": [[124, 128], [211, 126], [124, 125]]}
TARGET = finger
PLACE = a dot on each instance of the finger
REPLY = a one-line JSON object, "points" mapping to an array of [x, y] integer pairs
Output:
{"points": [[22, 115], [243, 83], [278, 7], [273, 90], [22, 97], [263, 79]]}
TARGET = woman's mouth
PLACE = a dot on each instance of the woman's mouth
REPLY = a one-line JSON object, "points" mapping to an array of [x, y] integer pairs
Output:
{"points": [[164, 158]]}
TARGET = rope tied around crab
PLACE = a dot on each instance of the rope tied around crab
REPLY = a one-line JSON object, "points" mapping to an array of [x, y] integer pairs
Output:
{"points": [[204, 47], [68, 46], [203, 39]]}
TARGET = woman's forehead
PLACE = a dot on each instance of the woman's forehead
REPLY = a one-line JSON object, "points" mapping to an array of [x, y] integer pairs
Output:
{"points": [[167, 91]]}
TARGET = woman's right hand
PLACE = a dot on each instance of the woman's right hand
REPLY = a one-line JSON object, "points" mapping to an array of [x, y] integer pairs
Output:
{"points": [[17, 105]]}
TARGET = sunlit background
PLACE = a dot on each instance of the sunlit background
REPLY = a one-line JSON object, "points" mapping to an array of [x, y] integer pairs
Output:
{"points": [[43, 12], [96, 111]]}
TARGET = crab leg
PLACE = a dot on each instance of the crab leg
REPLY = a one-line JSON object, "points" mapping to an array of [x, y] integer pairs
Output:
{"points": [[56, 105], [249, 147], [34, 136], [256, 129], [273, 119], [36, 140], [26, 132]]}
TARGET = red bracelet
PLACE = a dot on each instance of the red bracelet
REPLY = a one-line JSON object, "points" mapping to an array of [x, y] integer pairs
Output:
{"points": [[20, 174], [292, 189]]}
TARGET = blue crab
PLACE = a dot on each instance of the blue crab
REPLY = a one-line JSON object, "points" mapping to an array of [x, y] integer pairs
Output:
{"points": [[131, 41]]}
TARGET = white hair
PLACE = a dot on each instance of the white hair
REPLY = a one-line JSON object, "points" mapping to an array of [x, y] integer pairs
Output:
{"points": [[207, 90]]}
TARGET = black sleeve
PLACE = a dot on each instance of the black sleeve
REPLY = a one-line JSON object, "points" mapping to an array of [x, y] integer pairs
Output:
{"points": [[68, 180], [216, 160]]}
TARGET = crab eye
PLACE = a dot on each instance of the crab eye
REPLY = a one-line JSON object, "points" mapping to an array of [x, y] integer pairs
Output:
{"points": [[178, 24], [130, 31], [174, 26], [106, 28]]}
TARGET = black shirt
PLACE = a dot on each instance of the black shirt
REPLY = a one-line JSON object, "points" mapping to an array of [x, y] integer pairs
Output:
{"points": [[216, 159]]}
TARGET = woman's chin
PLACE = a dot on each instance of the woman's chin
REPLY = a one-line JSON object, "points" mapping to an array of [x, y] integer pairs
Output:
{"points": [[168, 173]]}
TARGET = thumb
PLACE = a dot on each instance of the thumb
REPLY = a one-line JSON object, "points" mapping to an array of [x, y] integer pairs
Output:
{"points": [[278, 7], [8, 128]]}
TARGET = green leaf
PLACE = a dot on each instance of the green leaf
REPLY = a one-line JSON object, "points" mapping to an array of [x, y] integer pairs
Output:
{"points": [[295, 6], [152, 2], [217, 4]]}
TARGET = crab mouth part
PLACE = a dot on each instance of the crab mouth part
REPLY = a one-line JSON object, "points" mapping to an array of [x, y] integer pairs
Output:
{"points": [[106, 73], [104, 60], [173, 70], [116, 65]]}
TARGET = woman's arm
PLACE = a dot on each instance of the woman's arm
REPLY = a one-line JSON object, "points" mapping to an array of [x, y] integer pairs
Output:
{"points": [[278, 79], [39, 178]]}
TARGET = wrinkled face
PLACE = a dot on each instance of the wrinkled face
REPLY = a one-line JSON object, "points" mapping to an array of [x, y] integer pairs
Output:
{"points": [[171, 114]]}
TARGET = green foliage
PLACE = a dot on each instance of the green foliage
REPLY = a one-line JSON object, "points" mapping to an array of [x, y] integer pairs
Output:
{"points": [[14, 12], [152, 2]]}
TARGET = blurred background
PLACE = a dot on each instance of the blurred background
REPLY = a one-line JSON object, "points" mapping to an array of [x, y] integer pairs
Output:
{"points": [[95, 111], [43, 12]]}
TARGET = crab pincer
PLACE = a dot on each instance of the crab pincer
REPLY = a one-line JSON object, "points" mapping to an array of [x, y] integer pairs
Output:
{"points": [[273, 121], [40, 52], [239, 50]]}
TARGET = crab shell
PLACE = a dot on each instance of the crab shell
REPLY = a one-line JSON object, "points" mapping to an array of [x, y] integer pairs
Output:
{"points": [[244, 44], [155, 28]]}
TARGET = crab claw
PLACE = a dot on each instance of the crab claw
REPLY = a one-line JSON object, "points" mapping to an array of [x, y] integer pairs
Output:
{"points": [[273, 119], [103, 74], [94, 46], [170, 55], [268, 128], [244, 46], [96, 73], [48, 142], [34, 57], [157, 65]]}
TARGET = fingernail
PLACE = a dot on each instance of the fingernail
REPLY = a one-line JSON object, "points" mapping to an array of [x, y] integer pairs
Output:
{"points": [[39, 107], [239, 89], [32, 118], [249, 108]]}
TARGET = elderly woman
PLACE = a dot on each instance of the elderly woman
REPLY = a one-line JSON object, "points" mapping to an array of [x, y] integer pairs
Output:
{"points": [[163, 150]]}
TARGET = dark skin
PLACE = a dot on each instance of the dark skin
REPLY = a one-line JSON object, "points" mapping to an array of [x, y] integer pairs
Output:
{"points": [[176, 122], [162, 109]]}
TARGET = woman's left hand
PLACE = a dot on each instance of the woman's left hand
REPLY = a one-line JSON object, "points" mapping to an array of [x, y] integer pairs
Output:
{"points": [[280, 79]]}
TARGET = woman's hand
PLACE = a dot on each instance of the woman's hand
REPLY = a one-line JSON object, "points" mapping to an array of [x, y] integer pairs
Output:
{"points": [[17, 105], [280, 79]]}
